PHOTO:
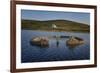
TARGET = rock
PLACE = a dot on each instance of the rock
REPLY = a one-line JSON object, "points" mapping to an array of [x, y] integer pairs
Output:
{"points": [[40, 41], [75, 41]]}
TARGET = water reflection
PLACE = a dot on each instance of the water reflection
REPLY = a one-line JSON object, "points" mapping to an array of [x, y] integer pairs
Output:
{"points": [[57, 43], [73, 46], [57, 50]]}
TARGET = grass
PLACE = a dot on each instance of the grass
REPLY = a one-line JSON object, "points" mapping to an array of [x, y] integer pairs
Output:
{"points": [[63, 25]]}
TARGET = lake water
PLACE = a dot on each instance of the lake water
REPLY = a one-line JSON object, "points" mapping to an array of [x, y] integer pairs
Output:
{"points": [[54, 52]]}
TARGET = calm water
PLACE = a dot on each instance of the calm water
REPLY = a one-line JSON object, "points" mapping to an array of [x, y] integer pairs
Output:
{"points": [[54, 52]]}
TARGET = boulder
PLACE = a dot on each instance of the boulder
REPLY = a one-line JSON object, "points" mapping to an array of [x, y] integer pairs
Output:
{"points": [[74, 41], [40, 41]]}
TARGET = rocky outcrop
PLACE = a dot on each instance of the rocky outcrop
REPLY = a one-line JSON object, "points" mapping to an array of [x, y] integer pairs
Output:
{"points": [[44, 42], [74, 41], [40, 41]]}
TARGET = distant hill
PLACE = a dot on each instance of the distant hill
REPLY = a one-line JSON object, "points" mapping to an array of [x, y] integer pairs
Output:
{"points": [[62, 25]]}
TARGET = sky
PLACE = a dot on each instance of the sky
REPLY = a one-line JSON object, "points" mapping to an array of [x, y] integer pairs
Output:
{"points": [[54, 15]]}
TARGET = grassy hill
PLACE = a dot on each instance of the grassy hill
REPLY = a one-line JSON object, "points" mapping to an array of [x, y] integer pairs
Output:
{"points": [[63, 25]]}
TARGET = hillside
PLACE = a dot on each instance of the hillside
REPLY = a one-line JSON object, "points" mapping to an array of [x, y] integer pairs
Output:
{"points": [[62, 25]]}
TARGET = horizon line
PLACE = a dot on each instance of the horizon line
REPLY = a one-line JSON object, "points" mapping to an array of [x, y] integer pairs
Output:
{"points": [[55, 19]]}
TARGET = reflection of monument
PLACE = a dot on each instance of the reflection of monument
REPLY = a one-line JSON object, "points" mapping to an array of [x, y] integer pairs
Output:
{"points": [[57, 40], [57, 43], [57, 37]]}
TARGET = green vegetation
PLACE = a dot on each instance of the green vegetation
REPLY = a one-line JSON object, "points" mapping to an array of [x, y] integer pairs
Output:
{"points": [[62, 25]]}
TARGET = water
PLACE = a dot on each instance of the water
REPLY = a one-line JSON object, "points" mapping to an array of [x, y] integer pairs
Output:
{"points": [[54, 52]]}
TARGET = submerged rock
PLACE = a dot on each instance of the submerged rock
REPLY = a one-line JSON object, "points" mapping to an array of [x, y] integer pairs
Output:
{"points": [[74, 41], [40, 41]]}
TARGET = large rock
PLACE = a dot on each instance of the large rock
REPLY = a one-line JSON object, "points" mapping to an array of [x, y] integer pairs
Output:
{"points": [[74, 41], [40, 41]]}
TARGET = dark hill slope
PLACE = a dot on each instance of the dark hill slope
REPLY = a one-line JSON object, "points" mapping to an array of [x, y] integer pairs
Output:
{"points": [[62, 25]]}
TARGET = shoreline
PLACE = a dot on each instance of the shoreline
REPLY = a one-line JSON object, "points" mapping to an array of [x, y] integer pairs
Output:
{"points": [[59, 31]]}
